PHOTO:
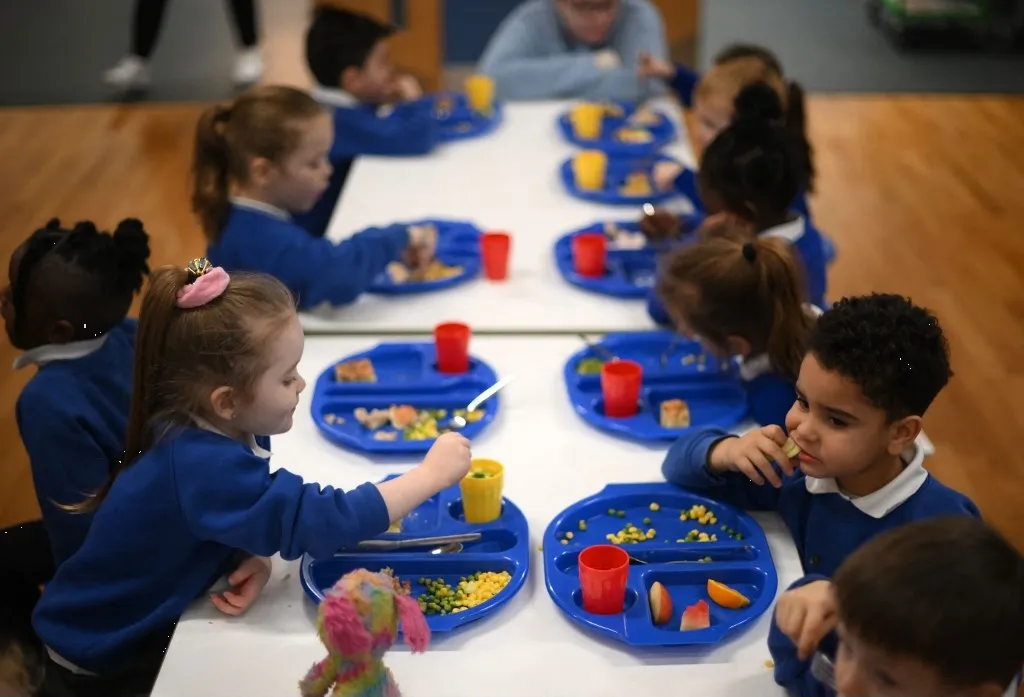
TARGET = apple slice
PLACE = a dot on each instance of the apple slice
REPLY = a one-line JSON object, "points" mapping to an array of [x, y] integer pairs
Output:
{"points": [[661, 603], [696, 616]]}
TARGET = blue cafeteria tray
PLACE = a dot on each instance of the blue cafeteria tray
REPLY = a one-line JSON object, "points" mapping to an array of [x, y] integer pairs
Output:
{"points": [[615, 177], [662, 133], [629, 273], [458, 244], [458, 122]]}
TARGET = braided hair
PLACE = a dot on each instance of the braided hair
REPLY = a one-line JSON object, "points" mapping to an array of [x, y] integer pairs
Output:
{"points": [[754, 167], [100, 271]]}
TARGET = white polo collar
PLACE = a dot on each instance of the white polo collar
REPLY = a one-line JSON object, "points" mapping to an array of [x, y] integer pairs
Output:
{"points": [[753, 367], [342, 98], [891, 496], [41, 355], [260, 207], [791, 231], [250, 439]]}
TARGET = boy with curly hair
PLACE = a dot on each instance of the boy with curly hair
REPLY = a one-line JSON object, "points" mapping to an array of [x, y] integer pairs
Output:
{"points": [[874, 364]]}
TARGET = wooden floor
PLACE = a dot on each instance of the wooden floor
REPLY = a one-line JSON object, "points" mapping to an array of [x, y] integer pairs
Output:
{"points": [[923, 196]]}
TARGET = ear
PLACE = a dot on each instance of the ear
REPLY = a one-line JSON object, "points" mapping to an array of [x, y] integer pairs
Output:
{"points": [[902, 434], [223, 403], [414, 624], [349, 80], [260, 171], [61, 332], [344, 627], [738, 346]]}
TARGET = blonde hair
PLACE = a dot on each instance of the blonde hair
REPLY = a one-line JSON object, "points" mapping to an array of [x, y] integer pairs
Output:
{"points": [[182, 354], [259, 123]]}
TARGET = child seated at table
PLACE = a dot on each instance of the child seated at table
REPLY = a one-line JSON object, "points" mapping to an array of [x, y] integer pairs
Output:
{"points": [[873, 366], [215, 376], [375, 111], [264, 157], [65, 307], [752, 171], [931, 609], [741, 298]]}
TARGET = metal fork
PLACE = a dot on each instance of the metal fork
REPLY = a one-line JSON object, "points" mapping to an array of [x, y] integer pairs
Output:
{"points": [[597, 348], [823, 670]]}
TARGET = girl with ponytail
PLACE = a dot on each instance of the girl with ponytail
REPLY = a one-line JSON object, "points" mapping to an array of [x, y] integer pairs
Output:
{"points": [[65, 308], [741, 297]]}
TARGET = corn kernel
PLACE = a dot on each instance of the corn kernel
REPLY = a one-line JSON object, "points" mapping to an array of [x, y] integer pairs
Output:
{"points": [[655, 506], [769, 663], [564, 542], [568, 535], [650, 534], [703, 537]]}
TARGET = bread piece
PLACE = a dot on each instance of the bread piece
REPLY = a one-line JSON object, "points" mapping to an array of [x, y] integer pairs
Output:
{"points": [[675, 413], [357, 370]]}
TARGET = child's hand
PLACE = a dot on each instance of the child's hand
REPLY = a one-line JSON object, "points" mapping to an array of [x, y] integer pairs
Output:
{"points": [[752, 455], [661, 225], [448, 459], [806, 615], [649, 66], [665, 174], [407, 89], [248, 581]]}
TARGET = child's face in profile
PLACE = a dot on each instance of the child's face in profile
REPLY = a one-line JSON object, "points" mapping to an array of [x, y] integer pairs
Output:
{"points": [[374, 82], [842, 435], [276, 392], [298, 181], [712, 113]]}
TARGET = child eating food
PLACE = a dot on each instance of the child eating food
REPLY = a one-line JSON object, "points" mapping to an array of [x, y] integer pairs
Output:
{"points": [[264, 157], [195, 498], [873, 366]]}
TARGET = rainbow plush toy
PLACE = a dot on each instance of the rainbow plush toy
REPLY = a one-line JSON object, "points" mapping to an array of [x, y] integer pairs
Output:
{"points": [[358, 623]]}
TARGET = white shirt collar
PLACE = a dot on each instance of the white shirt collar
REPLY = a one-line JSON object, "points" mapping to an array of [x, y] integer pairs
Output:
{"points": [[250, 439], [791, 231], [753, 367], [891, 496], [261, 207], [341, 98], [41, 355]]}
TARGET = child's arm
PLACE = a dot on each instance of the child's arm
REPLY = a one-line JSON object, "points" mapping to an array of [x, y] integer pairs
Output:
{"points": [[683, 82], [807, 615], [411, 129], [731, 469]]}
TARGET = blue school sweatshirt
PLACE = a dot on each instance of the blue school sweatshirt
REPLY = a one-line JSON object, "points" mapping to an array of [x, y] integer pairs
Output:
{"points": [[826, 525], [72, 416], [169, 526], [406, 129], [806, 241], [262, 238], [532, 56]]}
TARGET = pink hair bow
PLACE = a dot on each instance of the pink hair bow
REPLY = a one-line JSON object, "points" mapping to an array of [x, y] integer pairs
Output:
{"points": [[205, 282]]}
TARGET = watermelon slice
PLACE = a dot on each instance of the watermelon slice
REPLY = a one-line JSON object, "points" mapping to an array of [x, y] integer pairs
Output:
{"points": [[696, 616]]}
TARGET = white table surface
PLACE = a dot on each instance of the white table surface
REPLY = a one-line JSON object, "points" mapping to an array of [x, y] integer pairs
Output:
{"points": [[508, 181], [527, 647]]}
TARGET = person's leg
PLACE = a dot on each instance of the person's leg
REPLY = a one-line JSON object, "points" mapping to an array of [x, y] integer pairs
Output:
{"points": [[248, 64], [132, 71], [26, 549]]}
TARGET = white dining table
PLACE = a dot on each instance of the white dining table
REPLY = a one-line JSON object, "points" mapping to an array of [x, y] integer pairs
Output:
{"points": [[526, 647], [507, 181]]}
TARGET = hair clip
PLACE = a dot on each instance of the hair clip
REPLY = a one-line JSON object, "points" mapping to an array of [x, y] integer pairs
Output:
{"points": [[749, 252], [197, 268]]}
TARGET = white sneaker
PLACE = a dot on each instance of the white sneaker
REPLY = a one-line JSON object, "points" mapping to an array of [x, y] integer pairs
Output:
{"points": [[248, 67], [130, 73]]}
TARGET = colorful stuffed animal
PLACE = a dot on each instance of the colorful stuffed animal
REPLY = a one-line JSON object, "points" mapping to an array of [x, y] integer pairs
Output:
{"points": [[358, 623]]}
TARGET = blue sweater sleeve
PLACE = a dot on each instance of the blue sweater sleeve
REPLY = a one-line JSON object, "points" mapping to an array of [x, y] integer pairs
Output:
{"points": [[410, 129], [685, 465], [238, 502], [682, 84], [791, 672], [67, 463], [528, 60], [686, 184], [811, 252]]}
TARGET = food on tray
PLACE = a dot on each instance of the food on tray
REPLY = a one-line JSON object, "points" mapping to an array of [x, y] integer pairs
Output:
{"points": [[436, 270], [633, 135], [410, 423], [725, 596], [661, 603], [637, 184], [696, 616], [443, 106], [701, 514], [356, 370], [631, 534], [395, 527], [589, 366], [333, 419], [791, 448], [401, 587], [698, 536], [624, 239], [440, 598], [613, 110], [644, 117], [675, 413]]}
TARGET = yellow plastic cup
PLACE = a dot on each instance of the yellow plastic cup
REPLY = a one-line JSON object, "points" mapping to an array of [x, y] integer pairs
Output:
{"points": [[588, 168], [480, 93], [587, 120], [481, 496]]}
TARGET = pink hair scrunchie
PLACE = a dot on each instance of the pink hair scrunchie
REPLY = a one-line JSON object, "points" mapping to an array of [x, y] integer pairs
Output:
{"points": [[211, 282]]}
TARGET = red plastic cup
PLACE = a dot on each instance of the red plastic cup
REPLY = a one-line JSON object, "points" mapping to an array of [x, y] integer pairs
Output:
{"points": [[451, 341], [494, 247], [604, 570], [620, 386], [588, 253]]}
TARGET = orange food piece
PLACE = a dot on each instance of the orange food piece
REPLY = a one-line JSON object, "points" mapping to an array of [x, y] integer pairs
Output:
{"points": [[726, 596]]}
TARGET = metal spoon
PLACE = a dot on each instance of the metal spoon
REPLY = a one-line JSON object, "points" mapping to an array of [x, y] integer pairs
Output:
{"points": [[648, 209], [458, 422], [450, 548], [640, 562], [597, 348]]}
